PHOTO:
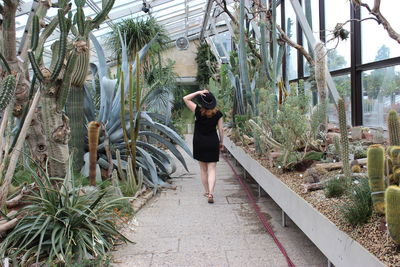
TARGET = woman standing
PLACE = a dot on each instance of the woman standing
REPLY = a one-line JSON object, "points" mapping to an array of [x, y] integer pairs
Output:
{"points": [[206, 144]]}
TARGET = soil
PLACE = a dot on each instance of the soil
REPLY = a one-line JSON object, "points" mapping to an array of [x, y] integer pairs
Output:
{"points": [[372, 235]]}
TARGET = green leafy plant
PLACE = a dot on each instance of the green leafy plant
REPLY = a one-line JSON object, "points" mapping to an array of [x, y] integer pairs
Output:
{"points": [[64, 225], [335, 187], [139, 32], [205, 60], [358, 209]]}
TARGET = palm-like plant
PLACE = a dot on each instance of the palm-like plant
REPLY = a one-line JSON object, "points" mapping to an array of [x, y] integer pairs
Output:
{"points": [[64, 225], [155, 163], [138, 33]]}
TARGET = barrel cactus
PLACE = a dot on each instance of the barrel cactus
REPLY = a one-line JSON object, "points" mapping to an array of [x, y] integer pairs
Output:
{"points": [[394, 164], [394, 128], [392, 202], [376, 169]]}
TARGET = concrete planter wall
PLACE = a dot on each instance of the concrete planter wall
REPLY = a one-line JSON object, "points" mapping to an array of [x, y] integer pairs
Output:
{"points": [[338, 247]]}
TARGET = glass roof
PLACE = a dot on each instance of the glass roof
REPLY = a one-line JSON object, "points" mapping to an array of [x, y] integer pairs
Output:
{"points": [[179, 17]]}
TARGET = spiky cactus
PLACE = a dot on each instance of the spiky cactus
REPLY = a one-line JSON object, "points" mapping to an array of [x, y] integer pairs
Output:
{"points": [[7, 91], [320, 79], [60, 77], [75, 103], [394, 128], [394, 159], [55, 89], [392, 202], [376, 170], [244, 73], [336, 142], [93, 136], [344, 139]]}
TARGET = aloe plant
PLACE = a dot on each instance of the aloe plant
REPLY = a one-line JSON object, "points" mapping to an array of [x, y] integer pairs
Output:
{"points": [[154, 162], [68, 225]]}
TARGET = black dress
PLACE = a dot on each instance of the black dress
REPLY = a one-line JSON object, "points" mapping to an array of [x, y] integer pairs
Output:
{"points": [[205, 139]]}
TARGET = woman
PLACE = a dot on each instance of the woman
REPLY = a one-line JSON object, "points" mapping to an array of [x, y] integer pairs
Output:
{"points": [[206, 144]]}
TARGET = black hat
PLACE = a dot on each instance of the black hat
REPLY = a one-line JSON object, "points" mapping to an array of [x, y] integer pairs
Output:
{"points": [[207, 101]]}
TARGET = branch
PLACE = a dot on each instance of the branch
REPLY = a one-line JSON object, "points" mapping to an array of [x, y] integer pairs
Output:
{"points": [[380, 18], [291, 43], [234, 20]]}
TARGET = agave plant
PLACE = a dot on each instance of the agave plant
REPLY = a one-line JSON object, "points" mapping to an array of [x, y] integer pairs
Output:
{"points": [[64, 224], [155, 162]]}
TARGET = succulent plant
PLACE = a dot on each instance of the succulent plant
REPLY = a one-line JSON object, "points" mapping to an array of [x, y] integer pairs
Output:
{"points": [[394, 159], [394, 128], [392, 202], [93, 137], [120, 120], [344, 139], [376, 169]]}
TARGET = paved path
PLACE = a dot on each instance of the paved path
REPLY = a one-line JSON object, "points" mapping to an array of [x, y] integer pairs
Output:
{"points": [[179, 228]]}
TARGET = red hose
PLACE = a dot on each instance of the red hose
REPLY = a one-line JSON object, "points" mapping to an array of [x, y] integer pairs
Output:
{"points": [[262, 218]]}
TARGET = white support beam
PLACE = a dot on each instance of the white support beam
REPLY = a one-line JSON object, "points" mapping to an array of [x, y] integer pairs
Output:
{"points": [[312, 41], [207, 14]]}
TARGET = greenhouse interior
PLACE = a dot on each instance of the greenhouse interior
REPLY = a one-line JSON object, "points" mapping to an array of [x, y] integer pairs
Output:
{"points": [[200, 133]]}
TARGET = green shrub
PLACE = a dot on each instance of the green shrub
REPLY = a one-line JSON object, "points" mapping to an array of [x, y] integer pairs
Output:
{"points": [[64, 224], [335, 187], [359, 208]]}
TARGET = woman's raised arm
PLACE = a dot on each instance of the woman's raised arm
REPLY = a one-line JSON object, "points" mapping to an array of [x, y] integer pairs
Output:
{"points": [[188, 99]]}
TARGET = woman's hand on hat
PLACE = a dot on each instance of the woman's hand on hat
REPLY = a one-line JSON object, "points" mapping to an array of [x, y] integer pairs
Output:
{"points": [[203, 92]]}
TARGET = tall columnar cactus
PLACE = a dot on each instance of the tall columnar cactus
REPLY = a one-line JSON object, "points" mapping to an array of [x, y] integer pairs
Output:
{"points": [[344, 138], [75, 103], [392, 203], [320, 78], [376, 170], [93, 136], [244, 73], [60, 77], [55, 85], [394, 128], [394, 160]]}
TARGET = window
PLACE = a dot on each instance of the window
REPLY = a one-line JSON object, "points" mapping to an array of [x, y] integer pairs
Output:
{"points": [[339, 51], [342, 83], [380, 94], [313, 5], [291, 31], [376, 43]]}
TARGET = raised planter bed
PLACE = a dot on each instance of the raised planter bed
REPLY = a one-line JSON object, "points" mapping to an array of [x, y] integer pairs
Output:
{"points": [[337, 246]]}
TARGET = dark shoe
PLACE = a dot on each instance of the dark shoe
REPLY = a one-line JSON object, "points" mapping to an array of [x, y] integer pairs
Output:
{"points": [[210, 198]]}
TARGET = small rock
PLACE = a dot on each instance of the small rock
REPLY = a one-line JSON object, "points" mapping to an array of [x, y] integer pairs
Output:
{"points": [[314, 175], [356, 133]]}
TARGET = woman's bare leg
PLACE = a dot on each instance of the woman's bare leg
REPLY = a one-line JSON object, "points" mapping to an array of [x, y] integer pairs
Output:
{"points": [[211, 169], [204, 175]]}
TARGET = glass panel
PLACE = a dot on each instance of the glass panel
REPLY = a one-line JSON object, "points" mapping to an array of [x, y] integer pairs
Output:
{"points": [[380, 94], [339, 52], [343, 86], [314, 6], [291, 53], [376, 43]]}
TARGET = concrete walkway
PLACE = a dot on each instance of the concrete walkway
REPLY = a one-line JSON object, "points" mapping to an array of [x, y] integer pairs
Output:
{"points": [[179, 228]]}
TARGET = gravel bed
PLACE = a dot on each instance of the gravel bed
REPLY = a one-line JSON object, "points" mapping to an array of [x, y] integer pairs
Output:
{"points": [[372, 235]]}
